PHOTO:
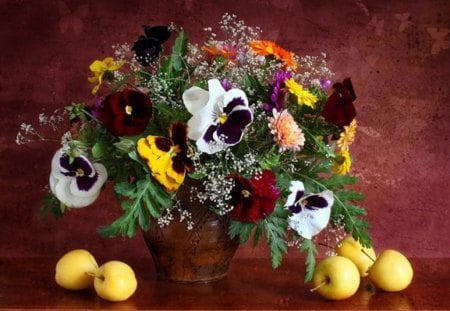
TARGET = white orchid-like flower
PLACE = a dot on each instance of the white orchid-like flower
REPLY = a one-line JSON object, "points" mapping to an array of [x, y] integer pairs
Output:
{"points": [[219, 116], [77, 183], [311, 213]]}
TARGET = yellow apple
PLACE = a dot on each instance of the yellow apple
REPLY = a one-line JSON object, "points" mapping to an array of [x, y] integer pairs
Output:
{"points": [[336, 278], [115, 281], [391, 272], [362, 257], [76, 269]]}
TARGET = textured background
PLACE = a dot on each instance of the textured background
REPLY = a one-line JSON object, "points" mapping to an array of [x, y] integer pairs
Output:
{"points": [[397, 52]]}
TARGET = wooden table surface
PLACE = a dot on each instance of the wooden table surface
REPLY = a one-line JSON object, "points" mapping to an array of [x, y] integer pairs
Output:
{"points": [[28, 283]]}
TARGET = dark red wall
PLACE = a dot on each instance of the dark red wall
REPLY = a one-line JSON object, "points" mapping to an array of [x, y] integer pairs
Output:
{"points": [[400, 66]]}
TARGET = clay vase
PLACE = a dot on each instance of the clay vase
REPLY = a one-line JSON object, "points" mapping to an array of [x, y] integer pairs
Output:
{"points": [[201, 254]]}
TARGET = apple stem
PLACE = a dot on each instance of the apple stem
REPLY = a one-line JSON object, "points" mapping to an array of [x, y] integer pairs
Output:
{"points": [[324, 282], [365, 253], [90, 273]]}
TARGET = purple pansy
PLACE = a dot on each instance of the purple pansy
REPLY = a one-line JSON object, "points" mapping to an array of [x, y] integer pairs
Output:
{"points": [[310, 213], [219, 116], [278, 92], [77, 183]]}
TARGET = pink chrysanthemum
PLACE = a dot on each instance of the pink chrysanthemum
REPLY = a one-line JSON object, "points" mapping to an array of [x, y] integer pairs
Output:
{"points": [[285, 131]]}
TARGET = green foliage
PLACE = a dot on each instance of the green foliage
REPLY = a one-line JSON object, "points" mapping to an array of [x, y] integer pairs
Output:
{"points": [[179, 50], [77, 110], [50, 204], [273, 228], [343, 211], [144, 200], [310, 249]]}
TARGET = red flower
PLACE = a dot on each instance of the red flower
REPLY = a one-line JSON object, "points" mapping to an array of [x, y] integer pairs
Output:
{"points": [[125, 113], [254, 199], [339, 109]]}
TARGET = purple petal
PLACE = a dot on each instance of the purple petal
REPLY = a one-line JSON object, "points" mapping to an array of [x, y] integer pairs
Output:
{"points": [[314, 201], [237, 101], [85, 183], [80, 165], [208, 136], [299, 195], [296, 208], [226, 84], [233, 128]]}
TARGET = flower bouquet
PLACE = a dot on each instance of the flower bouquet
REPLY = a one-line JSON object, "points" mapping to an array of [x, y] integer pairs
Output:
{"points": [[264, 130]]}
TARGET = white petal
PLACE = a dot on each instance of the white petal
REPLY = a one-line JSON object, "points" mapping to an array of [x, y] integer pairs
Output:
{"points": [[210, 148], [53, 180], [215, 89], [204, 117], [55, 166], [308, 223], [195, 99], [102, 175], [200, 122], [295, 187], [235, 93], [63, 194]]}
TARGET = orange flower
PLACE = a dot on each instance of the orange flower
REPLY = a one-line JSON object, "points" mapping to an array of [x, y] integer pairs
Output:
{"points": [[265, 48], [220, 50]]}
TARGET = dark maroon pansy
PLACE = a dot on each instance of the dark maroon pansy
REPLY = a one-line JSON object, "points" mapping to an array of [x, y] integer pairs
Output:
{"points": [[339, 109], [124, 113], [254, 199]]}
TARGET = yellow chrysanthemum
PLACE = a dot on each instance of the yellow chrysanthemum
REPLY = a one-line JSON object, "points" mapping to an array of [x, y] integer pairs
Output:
{"points": [[304, 97], [100, 68], [265, 48], [342, 163], [347, 136]]}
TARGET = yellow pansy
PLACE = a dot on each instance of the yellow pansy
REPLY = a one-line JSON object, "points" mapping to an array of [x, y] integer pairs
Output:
{"points": [[167, 158], [100, 68], [304, 97]]}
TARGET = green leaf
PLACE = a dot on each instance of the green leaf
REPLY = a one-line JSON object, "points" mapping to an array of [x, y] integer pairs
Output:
{"points": [[143, 200], [126, 145], [274, 228], [99, 149], [197, 175], [243, 230], [339, 181], [309, 247], [179, 50], [50, 204], [257, 235], [76, 110], [347, 195]]}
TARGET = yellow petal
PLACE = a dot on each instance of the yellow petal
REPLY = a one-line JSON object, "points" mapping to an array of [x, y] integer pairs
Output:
{"points": [[160, 163], [98, 66]]}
